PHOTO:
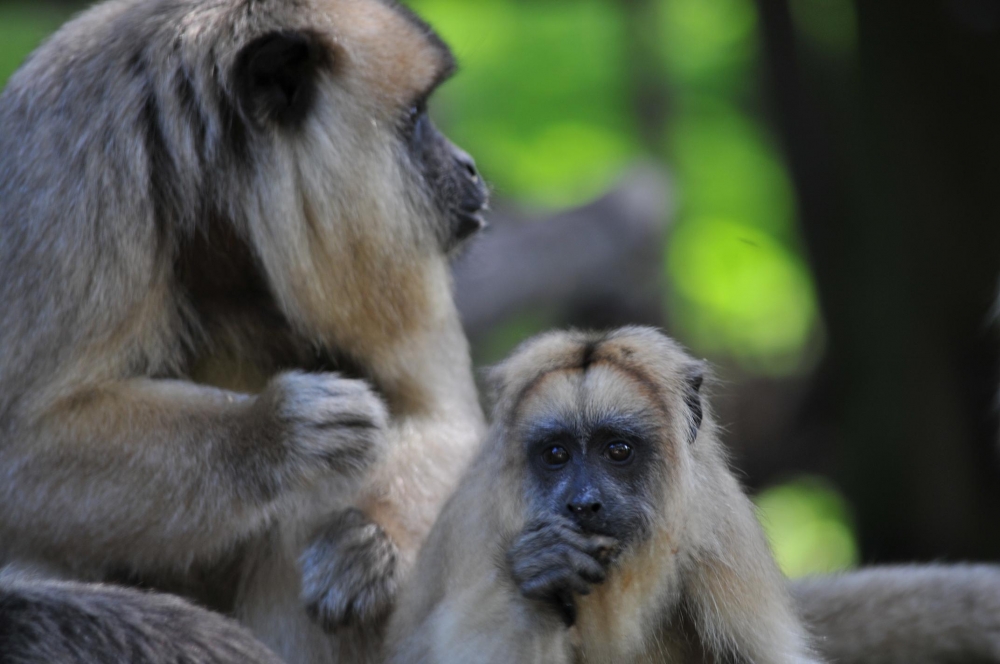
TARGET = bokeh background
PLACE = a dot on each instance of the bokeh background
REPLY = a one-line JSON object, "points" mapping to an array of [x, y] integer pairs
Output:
{"points": [[805, 192]]}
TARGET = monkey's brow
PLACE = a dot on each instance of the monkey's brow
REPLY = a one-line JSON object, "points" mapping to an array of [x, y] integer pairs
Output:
{"points": [[631, 426], [548, 428], [626, 425]]}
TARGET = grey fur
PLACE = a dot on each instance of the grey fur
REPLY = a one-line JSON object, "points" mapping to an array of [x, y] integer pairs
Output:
{"points": [[361, 586], [183, 271], [551, 559], [51, 622], [914, 614]]}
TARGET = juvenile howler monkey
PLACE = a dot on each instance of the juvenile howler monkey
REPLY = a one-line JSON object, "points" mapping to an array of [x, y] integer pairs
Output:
{"points": [[599, 523]]}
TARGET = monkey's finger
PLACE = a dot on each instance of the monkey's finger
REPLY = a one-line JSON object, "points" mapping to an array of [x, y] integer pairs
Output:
{"points": [[586, 567], [597, 546], [534, 564], [551, 523], [602, 548], [567, 609], [548, 584], [572, 535], [591, 544]]}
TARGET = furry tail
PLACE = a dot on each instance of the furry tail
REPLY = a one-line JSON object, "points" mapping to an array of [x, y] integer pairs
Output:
{"points": [[919, 614]]}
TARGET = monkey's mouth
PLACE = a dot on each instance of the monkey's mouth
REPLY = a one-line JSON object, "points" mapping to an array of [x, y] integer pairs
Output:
{"points": [[469, 217], [468, 223], [470, 214]]}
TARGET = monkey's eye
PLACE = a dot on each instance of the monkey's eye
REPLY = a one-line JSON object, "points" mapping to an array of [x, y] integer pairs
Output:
{"points": [[555, 456], [619, 451], [415, 112]]}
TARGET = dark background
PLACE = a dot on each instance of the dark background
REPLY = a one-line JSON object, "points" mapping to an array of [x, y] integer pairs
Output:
{"points": [[806, 192]]}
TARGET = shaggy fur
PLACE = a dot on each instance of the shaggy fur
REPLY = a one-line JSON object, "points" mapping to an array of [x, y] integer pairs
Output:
{"points": [[915, 614], [698, 584], [206, 207], [47, 622]]}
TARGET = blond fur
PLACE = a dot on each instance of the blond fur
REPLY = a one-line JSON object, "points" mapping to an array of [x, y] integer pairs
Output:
{"points": [[702, 588]]}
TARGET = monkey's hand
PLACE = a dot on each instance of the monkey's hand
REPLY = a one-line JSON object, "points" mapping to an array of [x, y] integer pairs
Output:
{"points": [[552, 559], [323, 423], [349, 572]]}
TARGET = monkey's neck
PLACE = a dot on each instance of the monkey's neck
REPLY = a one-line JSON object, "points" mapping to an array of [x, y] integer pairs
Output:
{"points": [[426, 369]]}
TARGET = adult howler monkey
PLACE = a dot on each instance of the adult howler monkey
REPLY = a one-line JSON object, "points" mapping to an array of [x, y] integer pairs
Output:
{"points": [[206, 208]]}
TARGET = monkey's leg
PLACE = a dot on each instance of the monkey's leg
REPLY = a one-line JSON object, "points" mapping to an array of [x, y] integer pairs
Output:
{"points": [[157, 474]]}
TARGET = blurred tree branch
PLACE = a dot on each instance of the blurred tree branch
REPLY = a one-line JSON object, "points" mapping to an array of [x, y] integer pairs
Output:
{"points": [[598, 265]]}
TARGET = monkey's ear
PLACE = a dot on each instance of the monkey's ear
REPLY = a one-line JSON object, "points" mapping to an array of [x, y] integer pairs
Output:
{"points": [[694, 376], [276, 76]]}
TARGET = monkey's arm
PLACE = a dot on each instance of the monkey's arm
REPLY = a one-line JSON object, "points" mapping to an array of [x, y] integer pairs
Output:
{"points": [[154, 473], [918, 614], [491, 610], [737, 594]]}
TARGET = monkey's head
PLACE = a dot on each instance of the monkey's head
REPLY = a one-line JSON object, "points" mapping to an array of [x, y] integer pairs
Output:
{"points": [[600, 426], [330, 98], [341, 88], [292, 132]]}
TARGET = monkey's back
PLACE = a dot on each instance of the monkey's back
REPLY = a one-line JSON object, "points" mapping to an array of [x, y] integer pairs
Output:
{"points": [[108, 624]]}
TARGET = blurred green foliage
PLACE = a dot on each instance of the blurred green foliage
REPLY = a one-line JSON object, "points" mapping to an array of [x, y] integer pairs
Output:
{"points": [[22, 28], [740, 286], [541, 100], [708, 44], [547, 103], [809, 527], [828, 25]]}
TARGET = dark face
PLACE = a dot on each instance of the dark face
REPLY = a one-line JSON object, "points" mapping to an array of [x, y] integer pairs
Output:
{"points": [[600, 473], [450, 175]]}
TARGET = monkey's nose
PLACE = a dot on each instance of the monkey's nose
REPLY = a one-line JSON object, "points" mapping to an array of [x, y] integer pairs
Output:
{"points": [[466, 161], [584, 508]]}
